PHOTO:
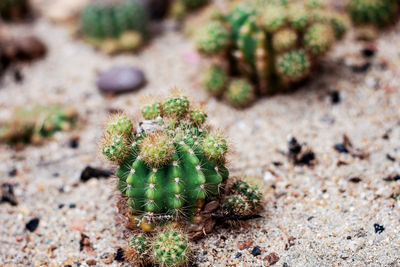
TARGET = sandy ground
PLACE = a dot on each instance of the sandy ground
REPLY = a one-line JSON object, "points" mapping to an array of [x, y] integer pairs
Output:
{"points": [[314, 216]]}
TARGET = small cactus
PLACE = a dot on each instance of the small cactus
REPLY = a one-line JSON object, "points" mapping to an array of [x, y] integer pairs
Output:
{"points": [[268, 43], [244, 200], [138, 251], [181, 7], [13, 9], [33, 125], [171, 249], [240, 93], [170, 164], [115, 26], [375, 12], [215, 79]]}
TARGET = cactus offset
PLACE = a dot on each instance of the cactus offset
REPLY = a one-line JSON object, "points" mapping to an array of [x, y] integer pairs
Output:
{"points": [[375, 12], [115, 26], [170, 164], [244, 199], [171, 249], [271, 44]]}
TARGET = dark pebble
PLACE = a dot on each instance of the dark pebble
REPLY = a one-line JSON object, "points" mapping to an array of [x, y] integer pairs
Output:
{"points": [[32, 224], [392, 178], [121, 80], [60, 206], [72, 206], [12, 172], [390, 157], [368, 52], [294, 146], [67, 265], [361, 68], [74, 142], [379, 228], [277, 163], [306, 158], [335, 97], [355, 180], [119, 256], [310, 218], [238, 255], [18, 77], [7, 194], [90, 172], [348, 237], [31, 47], [285, 265], [341, 148], [256, 251]]}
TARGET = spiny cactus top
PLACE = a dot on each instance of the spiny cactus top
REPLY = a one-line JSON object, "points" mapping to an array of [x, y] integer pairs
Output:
{"points": [[271, 44], [376, 12], [32, 125], [170, 163], [113, 26]]}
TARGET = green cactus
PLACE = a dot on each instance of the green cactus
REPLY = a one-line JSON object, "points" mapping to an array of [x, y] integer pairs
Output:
{"points": [[115, 26], [212, 39], [272, 44], [376, 12], [37, 123], [193, 4], [293, 65], [13, 9], [240, 93], [236, 205], [319, 38], [170, 164], [244, 199], [171, 249], [138, 251], [215, 79]]}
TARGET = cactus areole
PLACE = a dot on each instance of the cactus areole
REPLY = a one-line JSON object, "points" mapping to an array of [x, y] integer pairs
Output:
{"points": [[169, 165]]}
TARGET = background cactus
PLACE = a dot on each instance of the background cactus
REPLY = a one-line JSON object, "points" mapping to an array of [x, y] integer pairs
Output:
{"points": [[170, 164], [13, 9], [32, 125], [181, 7], [376, 12], [270, 44], [115, 25]]}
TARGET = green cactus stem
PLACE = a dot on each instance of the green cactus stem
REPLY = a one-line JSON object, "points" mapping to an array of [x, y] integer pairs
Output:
{"points": [[168, 165], [212, 39], [293, 65], [215, 79], [375, 12], [240, 93], [319, 38]]}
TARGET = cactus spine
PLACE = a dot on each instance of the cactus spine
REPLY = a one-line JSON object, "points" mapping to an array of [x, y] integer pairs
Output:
{"points": [[271, 44], [169, 165], [113, 27]]}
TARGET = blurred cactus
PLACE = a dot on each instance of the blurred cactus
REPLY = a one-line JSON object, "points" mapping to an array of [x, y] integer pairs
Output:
{"points": [[170, 164], [13, 9], [115, 26], [269, 45], [181, 7], [33, 125], [375, 12]]}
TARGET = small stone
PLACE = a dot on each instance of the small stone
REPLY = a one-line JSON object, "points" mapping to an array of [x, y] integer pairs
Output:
{"points": [[379, 228], [91, 262], [72, 206], [272, 258], [335, 97], [19, 238], [244, 245], [392, 178], [355, 180], [119, 256], [340, 148], [74, 142], [30, 47], [368, 52], [32, 224], [361, 68], [390, 157], [256, 251], [7, 194], [13, 172], [108, 258], [121, 80], [238, 255], [90, 172]]}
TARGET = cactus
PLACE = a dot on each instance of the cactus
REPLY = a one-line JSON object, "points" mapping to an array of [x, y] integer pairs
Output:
{"points": [[33, 125], [375, 12], [13, 9], [181, 7], [244, 199], [269, 43], [138, 251], [240, 93], [115, 26], [215, 79], [171, 249], [170, 164]]}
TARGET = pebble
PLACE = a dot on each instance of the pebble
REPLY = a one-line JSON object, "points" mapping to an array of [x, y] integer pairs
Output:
{"points": [[91, 262], [272, 258], [90, 172], [238, 255], [244, 245], [335, 97], [13, 172], [379, 228], [7, 194], [256, 251], [120, 80], [32, 224], [31, 47], [119, 256]]}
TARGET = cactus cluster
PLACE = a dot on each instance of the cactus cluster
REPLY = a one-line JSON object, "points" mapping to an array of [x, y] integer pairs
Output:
{"points": [[261, 47], [35, 124], [243, 200], [181, 7], [13, 9], [114, 26], [374, 12], [170, 164]]}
